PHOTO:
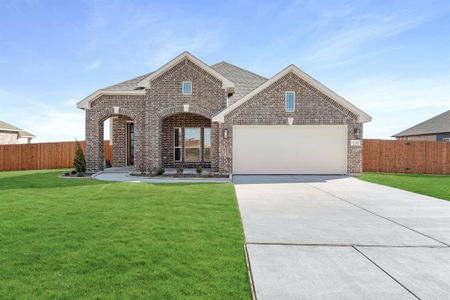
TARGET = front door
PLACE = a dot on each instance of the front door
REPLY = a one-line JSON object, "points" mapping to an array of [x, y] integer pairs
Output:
{"points": [[130, 144]]}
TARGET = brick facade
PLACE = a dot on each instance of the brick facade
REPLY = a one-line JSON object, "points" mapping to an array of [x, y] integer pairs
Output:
{"points": [[164, 107], [8, 137], [311, 108], [162, 100]]}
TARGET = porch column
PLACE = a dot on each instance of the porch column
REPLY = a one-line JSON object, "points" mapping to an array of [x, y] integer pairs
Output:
{"points": [[153, 130], [215, 147], [94, 144], [139, 162], [119, 143]]}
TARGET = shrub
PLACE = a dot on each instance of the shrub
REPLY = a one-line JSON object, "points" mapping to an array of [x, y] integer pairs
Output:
{"points": [[160, 171], [180, 170], [79, 163], [199, 170], [73, 172], [67, 174]]}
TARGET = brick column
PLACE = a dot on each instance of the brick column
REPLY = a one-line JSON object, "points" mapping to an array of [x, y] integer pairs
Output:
{"points": [[225, 149], [154, 140], [139, 149], [355, 153], [215, 132], [119, 133], [94, 144]]}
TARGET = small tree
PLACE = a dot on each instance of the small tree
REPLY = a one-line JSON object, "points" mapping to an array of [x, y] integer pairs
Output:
{"points": [[79, 163]]}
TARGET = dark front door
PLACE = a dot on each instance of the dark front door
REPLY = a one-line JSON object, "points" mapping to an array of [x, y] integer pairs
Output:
{"points": [[130, 144]]}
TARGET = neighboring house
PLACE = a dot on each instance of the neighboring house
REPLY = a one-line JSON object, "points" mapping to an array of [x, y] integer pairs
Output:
{"points": [[225, 118], [434, 129], [10, 134]]}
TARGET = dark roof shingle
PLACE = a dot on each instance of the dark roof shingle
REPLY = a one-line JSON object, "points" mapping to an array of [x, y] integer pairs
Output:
{"points": [[437, 124], [244, 81]]}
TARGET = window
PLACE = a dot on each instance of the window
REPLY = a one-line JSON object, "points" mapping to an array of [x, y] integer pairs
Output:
{"points": [[289, 101], [192, 144], [177, 144], [446, 139], [207, 144], [186, 88]]}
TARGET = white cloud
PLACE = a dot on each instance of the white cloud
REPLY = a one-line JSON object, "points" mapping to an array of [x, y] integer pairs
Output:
{"points": [[94, 65]]}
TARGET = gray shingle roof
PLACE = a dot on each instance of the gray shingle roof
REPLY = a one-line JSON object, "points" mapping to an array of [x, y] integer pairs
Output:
{"points": [[437, 124], [127, 85], [8, 127], [244, 81], [26, 134]]}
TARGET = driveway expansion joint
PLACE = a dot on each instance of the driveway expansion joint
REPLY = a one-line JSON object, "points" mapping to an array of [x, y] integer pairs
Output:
{"points": [[392, 277]]}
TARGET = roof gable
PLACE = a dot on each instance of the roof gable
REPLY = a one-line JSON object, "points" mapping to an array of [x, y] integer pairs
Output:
{"points": [[437, 124], [362, 116], [146, 81]]}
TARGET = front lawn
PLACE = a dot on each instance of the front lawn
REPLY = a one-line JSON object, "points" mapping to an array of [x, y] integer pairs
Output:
{"points": [[82, 238], [431, 185]]}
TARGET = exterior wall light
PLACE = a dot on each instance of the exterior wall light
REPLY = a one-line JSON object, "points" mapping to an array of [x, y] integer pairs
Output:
{"points": [[357, 133], [225, 133]]}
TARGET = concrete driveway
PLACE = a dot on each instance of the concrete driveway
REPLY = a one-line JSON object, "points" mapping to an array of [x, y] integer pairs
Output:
{"points": [[335, 237]]}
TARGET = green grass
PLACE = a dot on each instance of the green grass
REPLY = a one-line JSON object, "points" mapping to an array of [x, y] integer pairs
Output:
{"points": [[82, 238], [431, 185]]}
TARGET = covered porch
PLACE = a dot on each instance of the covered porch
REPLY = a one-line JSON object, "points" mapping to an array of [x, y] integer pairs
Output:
{"points": [[169, 140]]}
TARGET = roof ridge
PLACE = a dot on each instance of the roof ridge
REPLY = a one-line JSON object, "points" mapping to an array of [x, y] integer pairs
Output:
{"points": [[237, 67]]}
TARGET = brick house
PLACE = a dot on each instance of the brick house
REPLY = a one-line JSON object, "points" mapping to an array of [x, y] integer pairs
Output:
{"points": [[225, 118], [436, 129], [10, 134]]}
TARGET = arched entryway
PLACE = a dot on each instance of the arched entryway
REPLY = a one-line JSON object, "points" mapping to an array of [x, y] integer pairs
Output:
{"points": [[126, 138]]}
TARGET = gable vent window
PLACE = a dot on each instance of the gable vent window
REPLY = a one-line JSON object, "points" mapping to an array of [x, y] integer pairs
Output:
{"points": [[186, 88], [289, 101]]}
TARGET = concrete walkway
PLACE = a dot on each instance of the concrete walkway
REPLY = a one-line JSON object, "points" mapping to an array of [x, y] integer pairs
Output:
{"points": [[122, 174], [334, 237]]}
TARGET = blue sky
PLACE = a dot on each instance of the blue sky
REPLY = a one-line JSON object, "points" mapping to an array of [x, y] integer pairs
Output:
{"points": [[390, 58]]}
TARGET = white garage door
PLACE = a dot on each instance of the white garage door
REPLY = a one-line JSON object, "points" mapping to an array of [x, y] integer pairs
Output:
{"points": [[297, 149]]}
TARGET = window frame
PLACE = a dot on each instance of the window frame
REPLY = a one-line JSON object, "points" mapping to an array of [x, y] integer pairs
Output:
{"points": [[182, 87], [204, 145], [285, 101], [180, 144], [199, 147], [446, 139]]}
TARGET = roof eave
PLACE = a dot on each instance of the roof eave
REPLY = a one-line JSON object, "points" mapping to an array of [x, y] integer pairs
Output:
{"points": [[86, 102]]}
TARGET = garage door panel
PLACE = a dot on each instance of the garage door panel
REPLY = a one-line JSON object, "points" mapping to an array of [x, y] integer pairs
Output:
{"points": [[303, 149]]}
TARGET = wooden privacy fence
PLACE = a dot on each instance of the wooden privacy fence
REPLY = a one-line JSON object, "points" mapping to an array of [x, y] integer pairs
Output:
{"points": [[41, 155], [417, 157]]}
